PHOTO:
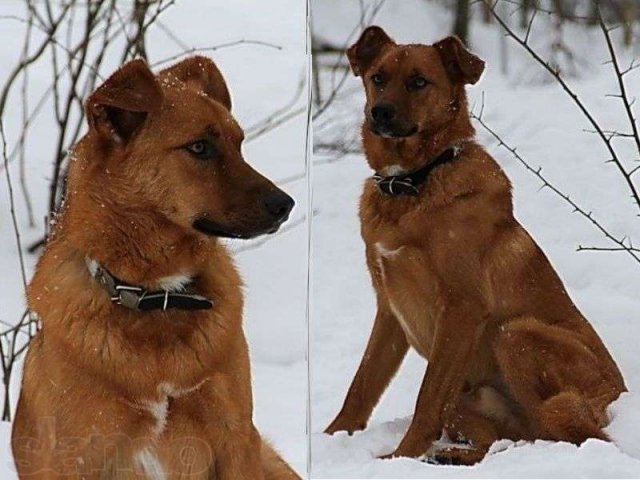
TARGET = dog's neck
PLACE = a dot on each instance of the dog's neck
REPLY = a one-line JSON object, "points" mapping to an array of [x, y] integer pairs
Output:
{"points": [[390, 156], [137, 244]]}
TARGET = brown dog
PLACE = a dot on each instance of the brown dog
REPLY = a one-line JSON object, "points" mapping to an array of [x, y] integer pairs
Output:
{"points": [[457, 277], [141, 368]]}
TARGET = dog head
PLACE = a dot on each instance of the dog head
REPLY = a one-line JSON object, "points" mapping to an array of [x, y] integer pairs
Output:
{"points": [[171, 145], [411, 88]]}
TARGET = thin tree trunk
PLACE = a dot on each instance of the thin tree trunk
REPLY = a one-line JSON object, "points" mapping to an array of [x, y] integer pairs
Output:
{"points": [[526, 10], [461, 24], [629, 12]]}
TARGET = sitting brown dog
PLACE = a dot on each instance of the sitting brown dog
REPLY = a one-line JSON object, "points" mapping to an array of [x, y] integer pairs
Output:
{"points": [[457, 277], [141, 367]]}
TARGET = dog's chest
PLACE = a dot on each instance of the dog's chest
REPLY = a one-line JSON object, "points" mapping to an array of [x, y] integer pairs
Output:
{"points": [[412, 291], [155, 456]]}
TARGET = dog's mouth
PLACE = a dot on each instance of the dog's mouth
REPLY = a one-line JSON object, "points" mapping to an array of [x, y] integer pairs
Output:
{"points": [[213, 229], [391, 131]]}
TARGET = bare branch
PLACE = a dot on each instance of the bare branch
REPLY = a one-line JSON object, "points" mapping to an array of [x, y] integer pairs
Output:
{"points": [[252, 245], [280, 116], [605, 249], [213, 48], [366, 19], [591, 119], [12, 205], [619, 75], [619, 243]]}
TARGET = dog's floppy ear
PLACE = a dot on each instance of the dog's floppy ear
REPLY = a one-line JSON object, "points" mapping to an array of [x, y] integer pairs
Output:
{"points": [[460, 63], [200, 73], [368, 47], [119, 106]]}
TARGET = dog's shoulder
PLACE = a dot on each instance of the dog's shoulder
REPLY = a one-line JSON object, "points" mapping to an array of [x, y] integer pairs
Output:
{"points": [[473, 178], [481, 171]]}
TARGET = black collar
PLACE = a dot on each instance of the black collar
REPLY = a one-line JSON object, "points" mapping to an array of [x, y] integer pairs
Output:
{"points": [[138, 298], [408, 183]]}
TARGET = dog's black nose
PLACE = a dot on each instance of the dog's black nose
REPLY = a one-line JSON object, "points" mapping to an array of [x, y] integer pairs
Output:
{"points": [[383, 112], [278, 204]]}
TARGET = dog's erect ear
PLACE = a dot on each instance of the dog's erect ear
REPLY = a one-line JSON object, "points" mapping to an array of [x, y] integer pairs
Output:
{"points": [[460, 64], [200, 73], [368, 47], [122, 103]]}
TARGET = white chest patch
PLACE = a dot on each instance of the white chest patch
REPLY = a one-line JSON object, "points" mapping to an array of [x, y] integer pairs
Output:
{"points": [[386, 252], [149, 464], [159, 408], [389, 254], [391, 170], [159, 411], [174, 283], [174, 392]]}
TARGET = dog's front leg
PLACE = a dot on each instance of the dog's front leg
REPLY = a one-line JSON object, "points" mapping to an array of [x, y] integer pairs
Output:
{"points": [[239, 456], [456, 337], [384, 353]]}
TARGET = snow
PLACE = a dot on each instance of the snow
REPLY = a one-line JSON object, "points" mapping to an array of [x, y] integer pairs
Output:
{"points": [[262, 79], [548, 130]]}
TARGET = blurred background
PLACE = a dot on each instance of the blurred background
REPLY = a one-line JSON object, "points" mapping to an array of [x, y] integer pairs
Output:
{"points": [[556, 107], [53, 53]]}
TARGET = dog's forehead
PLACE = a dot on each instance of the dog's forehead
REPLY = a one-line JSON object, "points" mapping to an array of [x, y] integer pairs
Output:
{"points": [[191, 109], [409, 59]]}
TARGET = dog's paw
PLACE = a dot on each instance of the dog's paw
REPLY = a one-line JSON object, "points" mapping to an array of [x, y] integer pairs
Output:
{"points": [[456, 457], [388, 456], [345, 425], [404, 451]]}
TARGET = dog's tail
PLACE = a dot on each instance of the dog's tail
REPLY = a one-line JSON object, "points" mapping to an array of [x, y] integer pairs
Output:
{"points": [[275, 468]]}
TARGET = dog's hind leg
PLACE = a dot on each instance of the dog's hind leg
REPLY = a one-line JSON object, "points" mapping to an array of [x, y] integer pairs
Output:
{"points": [[275, 468], [481, 416], [473, 434], [561, 385]]}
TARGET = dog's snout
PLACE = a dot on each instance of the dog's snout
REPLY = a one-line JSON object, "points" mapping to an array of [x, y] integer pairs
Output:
{"points": [[278, 204], [383, 112]]}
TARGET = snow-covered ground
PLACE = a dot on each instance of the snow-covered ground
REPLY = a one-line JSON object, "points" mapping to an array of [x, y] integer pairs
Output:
{"points": [[547, 128], [262, 79]]}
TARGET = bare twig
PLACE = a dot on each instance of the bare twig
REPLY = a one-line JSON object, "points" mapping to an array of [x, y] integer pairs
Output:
{"points": [[280, 116], [607, 140], [7, 352], [253, 244], [31, 58], [12, 205], [537, 8], [619, 243], [10, 351], [366, 17], [25, 113], [213, 48], [606, 249], [620, 77]]}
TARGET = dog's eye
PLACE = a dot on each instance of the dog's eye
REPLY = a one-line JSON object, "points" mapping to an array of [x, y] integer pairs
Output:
{"points": [[377, 79], [202, 149], [416, 83]]}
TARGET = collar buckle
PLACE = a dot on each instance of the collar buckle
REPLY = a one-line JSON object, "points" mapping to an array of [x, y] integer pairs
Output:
{"points": [[129, 299], [407, 184]]}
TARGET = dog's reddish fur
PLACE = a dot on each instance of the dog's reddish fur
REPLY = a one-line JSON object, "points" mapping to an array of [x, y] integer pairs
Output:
{"points": [[460, 280], [110, 392]]}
